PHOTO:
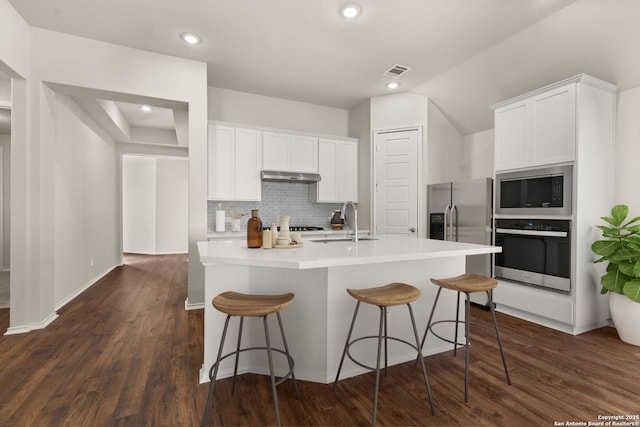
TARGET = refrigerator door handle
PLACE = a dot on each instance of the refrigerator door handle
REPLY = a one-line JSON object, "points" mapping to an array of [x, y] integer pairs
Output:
{"points": [[454, 223], [446, 216]]}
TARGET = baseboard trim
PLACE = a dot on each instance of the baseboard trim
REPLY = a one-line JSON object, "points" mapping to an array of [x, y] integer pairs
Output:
{"points": [[196, 306], [86, 286], [14, 330]]}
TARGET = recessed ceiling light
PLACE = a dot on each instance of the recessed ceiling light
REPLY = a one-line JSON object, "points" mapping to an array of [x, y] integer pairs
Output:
{"points": [[145, 108], [350, 10], [393, 85], [190, 38]]}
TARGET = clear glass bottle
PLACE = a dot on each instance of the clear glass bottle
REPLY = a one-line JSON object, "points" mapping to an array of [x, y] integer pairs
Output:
{"points": [[254, 230]]}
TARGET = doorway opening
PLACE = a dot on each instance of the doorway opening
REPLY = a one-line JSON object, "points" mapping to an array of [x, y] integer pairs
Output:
{"points": [[155, 217]]}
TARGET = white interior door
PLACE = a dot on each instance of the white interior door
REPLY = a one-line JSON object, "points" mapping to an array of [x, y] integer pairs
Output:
{"points": [[396, 182]]}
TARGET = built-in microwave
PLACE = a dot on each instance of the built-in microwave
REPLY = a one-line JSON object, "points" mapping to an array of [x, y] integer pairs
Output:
{"points": [[544, 191]]}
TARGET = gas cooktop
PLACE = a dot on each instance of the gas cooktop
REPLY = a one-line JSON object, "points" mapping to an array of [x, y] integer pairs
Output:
{"points": [[301, 228]]}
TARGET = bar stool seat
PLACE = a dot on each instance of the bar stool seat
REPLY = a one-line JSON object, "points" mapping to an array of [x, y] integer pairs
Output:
{"points": [[392, 294], [388, 295], [249, 305], [466, 283]]}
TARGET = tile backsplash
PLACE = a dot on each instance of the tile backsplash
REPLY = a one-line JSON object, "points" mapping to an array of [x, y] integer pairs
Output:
{"points": [[278, 198]]}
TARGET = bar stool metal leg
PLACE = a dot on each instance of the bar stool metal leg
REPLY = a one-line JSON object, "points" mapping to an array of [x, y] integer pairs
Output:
{"points": [[424, 369], [375, 396], [467, 315], [271, 374], [455, 338], [386, 352], [433, 309], [495, 324], [286, 349], [212, 378], [235, 368], [346, 345]]}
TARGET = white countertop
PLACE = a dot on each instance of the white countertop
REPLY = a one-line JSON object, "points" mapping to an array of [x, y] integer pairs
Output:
{"points": [[317, 233], [386, 248]]}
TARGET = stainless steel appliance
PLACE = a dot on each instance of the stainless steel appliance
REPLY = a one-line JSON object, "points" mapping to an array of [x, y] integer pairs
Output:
{"points": [[535, 252], [544, 191], [461, 212]]}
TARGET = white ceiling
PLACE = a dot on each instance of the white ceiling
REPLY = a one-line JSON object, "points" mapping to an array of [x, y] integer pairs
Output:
{"points": [[464, 54]]}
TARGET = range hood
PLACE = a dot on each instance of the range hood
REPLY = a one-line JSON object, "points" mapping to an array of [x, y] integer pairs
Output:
{"points": [[289, 176]]}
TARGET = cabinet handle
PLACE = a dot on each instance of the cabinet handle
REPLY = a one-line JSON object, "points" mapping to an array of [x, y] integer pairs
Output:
{"points": [[412, 229]]}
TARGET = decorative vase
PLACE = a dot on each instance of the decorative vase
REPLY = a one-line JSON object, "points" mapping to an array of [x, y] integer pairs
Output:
{"points": [[235, 224], [626, 317], [283, 233], [284, 226]]}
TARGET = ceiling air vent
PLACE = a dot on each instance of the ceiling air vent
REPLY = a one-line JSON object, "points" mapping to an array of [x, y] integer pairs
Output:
{"points": [[396, 71]]}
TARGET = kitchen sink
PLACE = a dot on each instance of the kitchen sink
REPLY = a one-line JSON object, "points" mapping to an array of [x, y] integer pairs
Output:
{"points": [[341, 239]]}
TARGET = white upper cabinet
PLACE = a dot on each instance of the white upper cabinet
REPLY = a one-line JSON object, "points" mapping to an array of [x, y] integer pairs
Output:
{"points": [[536, 131], [289, 152], [338, 168], [554, 126], [512, 138], [234, 158]]}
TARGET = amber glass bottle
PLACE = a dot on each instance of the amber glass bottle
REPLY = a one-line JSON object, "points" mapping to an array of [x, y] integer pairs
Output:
{"points": [[254, 230]]}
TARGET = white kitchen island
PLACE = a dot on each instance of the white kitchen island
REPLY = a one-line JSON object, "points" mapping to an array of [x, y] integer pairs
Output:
{"points": [[317, 322]]}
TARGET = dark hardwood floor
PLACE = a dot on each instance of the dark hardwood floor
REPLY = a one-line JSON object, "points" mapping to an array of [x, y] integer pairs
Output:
{"points": [[126, 353]]}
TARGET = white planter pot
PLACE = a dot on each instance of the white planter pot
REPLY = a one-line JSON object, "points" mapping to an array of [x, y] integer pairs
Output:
{"points": [[626, 317]]}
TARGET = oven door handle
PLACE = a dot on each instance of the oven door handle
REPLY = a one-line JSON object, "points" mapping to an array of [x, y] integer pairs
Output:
{"points": [[532, 232]]}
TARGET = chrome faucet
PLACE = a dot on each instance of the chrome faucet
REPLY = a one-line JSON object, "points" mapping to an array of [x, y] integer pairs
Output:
{"points": [[354, 223]]}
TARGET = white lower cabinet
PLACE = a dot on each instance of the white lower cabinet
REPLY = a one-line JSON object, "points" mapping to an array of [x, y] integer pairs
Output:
{"points": [[338, 168], [234, 161]]}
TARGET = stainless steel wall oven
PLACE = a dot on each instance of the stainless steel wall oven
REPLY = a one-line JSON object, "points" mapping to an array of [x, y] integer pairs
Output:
{"points": [[535, 252]]}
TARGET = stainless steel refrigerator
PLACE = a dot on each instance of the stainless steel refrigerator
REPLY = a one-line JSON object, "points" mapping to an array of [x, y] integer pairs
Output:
{"points": [[462, 212]]}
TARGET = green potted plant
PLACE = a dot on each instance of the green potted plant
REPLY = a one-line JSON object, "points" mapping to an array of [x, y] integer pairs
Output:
{"points": [[620, 247]]}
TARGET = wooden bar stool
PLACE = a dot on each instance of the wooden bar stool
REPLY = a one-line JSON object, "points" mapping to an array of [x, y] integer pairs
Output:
{"points": [[384, 296], [246, 305], [467, 283]]}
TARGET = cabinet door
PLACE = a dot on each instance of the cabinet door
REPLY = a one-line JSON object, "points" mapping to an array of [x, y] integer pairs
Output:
{"points": [[247, 161], [304, 153], [220, 165], [511, 138], [275, 151], [347, 171], [327, 169], [554, 126]]}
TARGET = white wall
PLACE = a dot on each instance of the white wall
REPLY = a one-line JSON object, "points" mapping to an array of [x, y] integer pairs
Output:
{"points": [[5, 90], [14, 42], [257, 110], [154, 204], [139, 204], [627, 172], [360, 127], [445, 158], [5, 143], [84, 189], [172, 215], [477, 155]]}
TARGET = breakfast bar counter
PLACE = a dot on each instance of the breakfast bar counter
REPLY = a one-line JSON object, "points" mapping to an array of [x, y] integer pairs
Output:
{"points": [[317, 321]]}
